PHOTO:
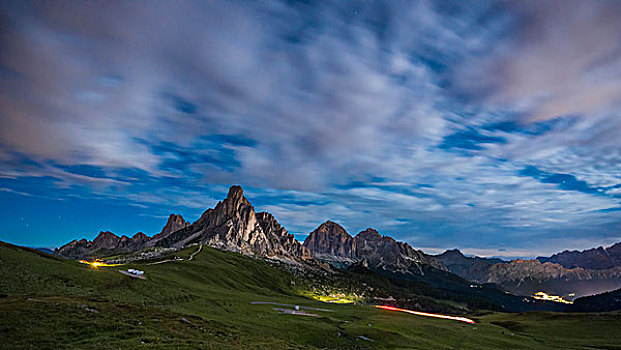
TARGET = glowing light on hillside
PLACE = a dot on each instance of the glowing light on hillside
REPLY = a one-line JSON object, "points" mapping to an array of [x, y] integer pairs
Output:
{"points": [[334, 298], [446, 317], [548, 297], [331, 299], [95, 264]]}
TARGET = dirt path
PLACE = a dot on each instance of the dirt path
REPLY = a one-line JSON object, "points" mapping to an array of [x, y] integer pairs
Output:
{"points": [[161, 262], [169, 260], [196, 252]]}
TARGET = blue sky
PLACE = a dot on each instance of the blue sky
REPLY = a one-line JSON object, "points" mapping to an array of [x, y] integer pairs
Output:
{"points": [[493, 127]]}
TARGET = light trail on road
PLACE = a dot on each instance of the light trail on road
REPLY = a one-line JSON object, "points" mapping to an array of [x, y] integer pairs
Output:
{"points": [[454, 318]]}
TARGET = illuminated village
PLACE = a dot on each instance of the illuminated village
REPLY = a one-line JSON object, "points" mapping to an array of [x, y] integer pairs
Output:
{"points": [[548, 297]]}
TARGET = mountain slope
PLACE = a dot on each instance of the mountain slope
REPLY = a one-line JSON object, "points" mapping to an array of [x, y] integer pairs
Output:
{"points": [[605, 302]]}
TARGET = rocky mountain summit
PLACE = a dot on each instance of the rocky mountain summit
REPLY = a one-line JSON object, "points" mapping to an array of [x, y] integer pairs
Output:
{"points": [[595, 259], [233, 225], [331, 242]]}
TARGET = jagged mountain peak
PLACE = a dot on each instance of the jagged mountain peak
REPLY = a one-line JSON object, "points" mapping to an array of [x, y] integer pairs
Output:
{"points": [[140, 237], [106, 234], [234, 203], [175, 222], [283, 243]]}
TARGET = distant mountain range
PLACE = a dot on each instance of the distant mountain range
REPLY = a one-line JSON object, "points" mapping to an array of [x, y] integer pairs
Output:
{"points": [[593, 259], [542, 274], [234, 225]]}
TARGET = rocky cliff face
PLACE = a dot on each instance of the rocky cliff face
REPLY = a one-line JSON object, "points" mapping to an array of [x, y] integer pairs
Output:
{"points": [[595, 259], [233, 225], [331, 242], [106, 243]]}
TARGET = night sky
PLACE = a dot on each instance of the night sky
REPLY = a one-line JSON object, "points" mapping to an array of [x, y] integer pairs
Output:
{"points": [[493, 127]]}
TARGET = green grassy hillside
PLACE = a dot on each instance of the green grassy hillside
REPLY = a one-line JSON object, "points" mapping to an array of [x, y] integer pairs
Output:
{"points": [[48, 303]]}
